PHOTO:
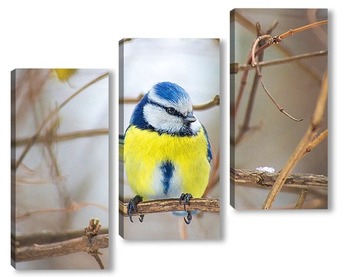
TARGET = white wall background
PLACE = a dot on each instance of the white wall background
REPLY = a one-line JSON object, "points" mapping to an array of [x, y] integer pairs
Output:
{"points": [[86, 34]]}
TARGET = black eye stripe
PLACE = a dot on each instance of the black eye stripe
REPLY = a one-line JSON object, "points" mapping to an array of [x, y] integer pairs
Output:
{"points": [[169, 110], [172, 111]]}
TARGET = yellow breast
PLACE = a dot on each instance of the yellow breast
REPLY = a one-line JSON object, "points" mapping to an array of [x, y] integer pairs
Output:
{"points": [[145, 151]]}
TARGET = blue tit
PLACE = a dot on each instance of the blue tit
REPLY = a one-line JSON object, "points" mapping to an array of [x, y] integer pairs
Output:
{"points": [[167, 153]]}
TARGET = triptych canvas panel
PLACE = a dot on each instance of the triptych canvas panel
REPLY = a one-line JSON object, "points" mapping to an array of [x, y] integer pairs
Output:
{"points": [[169, 140], [60, 168], [278, 109], [170, 144]]}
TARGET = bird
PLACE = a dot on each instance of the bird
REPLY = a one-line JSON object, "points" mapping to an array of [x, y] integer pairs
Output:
{"points": [[167, 152]]}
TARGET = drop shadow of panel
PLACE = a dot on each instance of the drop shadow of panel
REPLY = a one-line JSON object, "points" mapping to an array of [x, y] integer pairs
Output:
{"points": [[262, 138], [59, 168], [194, 65]]}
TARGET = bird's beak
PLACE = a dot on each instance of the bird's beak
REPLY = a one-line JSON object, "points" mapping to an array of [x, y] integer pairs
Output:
{"points": [[190, 118]]}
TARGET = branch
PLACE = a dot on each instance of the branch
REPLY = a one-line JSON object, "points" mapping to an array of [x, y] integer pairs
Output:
{"points": [[60, 137], [74, 206], [236, 67], [26, 248], [170, 205], [265, 179], [81, 244], [50, 237]]}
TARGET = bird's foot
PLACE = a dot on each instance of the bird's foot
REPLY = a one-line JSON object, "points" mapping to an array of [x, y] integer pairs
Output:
{"points": [[132, 207], [185, 197]]}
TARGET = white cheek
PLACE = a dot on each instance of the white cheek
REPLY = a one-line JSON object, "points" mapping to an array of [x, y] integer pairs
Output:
{"points": [[161, 120]]}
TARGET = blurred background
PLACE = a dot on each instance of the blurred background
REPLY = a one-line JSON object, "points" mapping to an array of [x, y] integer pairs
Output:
{"points": [[62, 182], [194, 64], [294, 85]]}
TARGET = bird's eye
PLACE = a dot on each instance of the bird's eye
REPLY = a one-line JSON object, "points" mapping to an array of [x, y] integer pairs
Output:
{"points": [[171, 110]]}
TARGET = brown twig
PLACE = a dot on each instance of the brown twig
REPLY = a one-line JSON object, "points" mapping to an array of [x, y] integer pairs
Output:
{"points": [[300, 29], [235, 67], [170, 205], [299, 151], [250, 26], [246, 122], [274, 40], [301, 199], [210, 104], [61, 137], [256, 65], [316, 141], [74, 206]]}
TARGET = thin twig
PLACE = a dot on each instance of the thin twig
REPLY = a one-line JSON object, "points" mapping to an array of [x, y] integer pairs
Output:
{"points": [[249, 110], [235, 67], [301, 29], [301, 199], [281, 109], [61, 137], [256, 65], [245, 73], [170, 205], [316, 141], [210, 104], [74, 206], [303, 144], [286, 51], [274, 40]]}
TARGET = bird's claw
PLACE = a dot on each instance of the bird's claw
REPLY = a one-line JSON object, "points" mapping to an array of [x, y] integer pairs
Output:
{"points": [[132, 207], [185, 197], [188, 218]]}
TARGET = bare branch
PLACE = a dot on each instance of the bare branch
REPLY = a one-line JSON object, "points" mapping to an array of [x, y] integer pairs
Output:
{"points": [[169, 205], [235, 67], [61, 137], [81, 244], [50, 237], [265, 179]]}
